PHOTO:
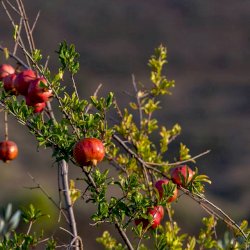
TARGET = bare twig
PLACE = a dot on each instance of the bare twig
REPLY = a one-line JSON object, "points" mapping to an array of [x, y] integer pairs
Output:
{"points": [[168, 207], [47, 195], [119, 112], [74, 85], [26, 25], [138, 99], [124, 236], [35, 22], [46, 63], [221, 214], [13, 24], [13, 7], [18, 36], [6, 132], [178, 162]]}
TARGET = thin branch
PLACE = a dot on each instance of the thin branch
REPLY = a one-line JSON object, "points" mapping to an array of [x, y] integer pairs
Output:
{"points": [[29, 228], [13, 24], [13, 7], [168, 207], [124, 236], [46, 63], [26, 25], [119, 112], [178, 162], [138, 99], [6, 132], [95, 94], [35, 22], [18, 36], [205, 202], [76, 239], [74, 85], [47, 195]]}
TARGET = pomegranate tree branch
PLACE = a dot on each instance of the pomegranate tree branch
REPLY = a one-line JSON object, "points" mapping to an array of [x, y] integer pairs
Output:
{"points": [[124, 236], [209, 205], [47, 195], [179, 162], [66, 191], [26, 24], [6, 134], [205, 204]]}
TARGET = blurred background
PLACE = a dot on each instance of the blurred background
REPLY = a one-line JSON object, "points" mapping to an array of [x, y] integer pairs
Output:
{"points": [[209, 57]]}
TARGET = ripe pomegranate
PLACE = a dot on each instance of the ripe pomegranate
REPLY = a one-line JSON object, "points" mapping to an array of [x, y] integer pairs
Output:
{"points": [[8, 150], [23, 80], [181, 173], [156, 213], [159, 187], [37, 107], [88, 151], [37, 93], [8, 84], [6, 69], [160, 210]]}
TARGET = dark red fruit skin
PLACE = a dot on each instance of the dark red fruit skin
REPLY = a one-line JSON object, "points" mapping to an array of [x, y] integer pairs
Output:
{"points": [[37, 107], [184, 171], [88, 151], [159, 187], [157, 214], [8, 150], [36, 93], [8, 84], [23, 80], [5, 70]]}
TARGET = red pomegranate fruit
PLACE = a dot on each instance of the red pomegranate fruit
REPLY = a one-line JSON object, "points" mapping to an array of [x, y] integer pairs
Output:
{"points": [[38, 91], [23, 80], [88, 151], [182, 175], [159, 186], [5, 70], [8, 150], [8, 84]]}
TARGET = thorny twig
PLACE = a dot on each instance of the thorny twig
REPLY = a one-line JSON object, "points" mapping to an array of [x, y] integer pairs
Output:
{"points": [[39, 186]]}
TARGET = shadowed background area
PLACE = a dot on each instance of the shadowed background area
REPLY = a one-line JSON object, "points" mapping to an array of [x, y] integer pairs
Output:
{"points": [[209, 57]]}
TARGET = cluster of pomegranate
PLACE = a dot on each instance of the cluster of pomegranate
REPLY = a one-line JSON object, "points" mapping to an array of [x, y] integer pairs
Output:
{"points": [[181, 176], [90, 151], [27, 84]]}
